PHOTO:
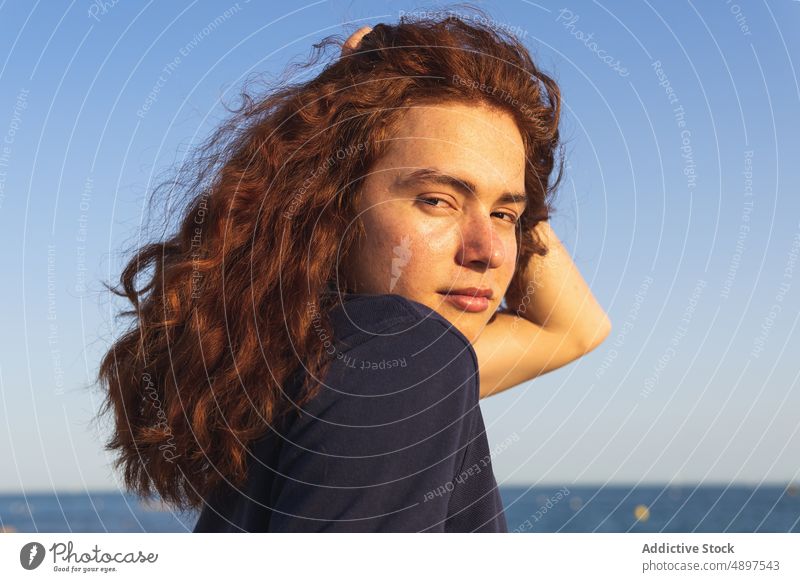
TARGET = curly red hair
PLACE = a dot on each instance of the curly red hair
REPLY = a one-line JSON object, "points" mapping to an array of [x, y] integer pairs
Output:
{"points": [[234, 301]]}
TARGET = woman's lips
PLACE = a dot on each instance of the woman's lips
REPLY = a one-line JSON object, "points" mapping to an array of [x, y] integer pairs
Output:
{"points": [[467, 302]]}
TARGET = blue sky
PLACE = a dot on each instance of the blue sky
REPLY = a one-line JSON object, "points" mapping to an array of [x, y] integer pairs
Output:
{"points": [[680, 208]]}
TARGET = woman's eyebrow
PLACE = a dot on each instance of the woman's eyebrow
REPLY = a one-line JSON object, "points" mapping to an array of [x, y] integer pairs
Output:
{"points": [[466, 187]]}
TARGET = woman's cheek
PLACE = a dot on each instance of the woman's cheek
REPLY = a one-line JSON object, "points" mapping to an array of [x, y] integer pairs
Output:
{"points": [[411, 245], [438, 236], [510, 262]]}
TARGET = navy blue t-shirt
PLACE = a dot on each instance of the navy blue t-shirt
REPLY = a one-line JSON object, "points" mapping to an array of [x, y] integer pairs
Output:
{"points": [[394, 441]]}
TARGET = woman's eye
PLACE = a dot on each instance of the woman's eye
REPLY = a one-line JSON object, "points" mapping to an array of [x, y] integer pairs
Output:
{"points": [[513, 218], [431, 201]]}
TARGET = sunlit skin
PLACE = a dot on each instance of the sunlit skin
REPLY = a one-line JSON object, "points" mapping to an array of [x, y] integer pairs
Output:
{"points": [[441, 237], [416, 251]]}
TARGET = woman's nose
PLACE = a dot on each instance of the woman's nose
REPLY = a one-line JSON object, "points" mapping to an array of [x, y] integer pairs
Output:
{"points": [[481, 243]]}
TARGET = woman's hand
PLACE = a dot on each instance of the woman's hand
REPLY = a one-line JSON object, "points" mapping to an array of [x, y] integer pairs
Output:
{"points": [[351, 43]]}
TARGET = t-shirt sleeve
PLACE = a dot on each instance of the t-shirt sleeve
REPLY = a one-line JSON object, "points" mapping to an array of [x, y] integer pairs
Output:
{"points": [[378, 449]]}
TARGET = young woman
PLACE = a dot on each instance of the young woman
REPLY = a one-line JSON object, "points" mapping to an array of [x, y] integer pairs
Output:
{"points": [[311, 345]]}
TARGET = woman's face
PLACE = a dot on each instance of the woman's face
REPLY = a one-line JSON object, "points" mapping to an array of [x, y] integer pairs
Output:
{"points": [[426, 238]]}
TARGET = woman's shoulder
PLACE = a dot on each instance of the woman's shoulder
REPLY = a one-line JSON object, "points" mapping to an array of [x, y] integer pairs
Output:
{"points": [[392, 350], [394, 323]]}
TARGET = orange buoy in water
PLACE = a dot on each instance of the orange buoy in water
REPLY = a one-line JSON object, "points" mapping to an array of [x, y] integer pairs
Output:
{"points": [[641, 513]]}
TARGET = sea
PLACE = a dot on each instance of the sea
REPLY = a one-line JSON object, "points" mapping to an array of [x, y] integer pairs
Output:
{"points": [[668, 509]]}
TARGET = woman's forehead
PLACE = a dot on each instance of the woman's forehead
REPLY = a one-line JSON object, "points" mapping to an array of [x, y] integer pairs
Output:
{"points": [[476, 134], [481, 156]]}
